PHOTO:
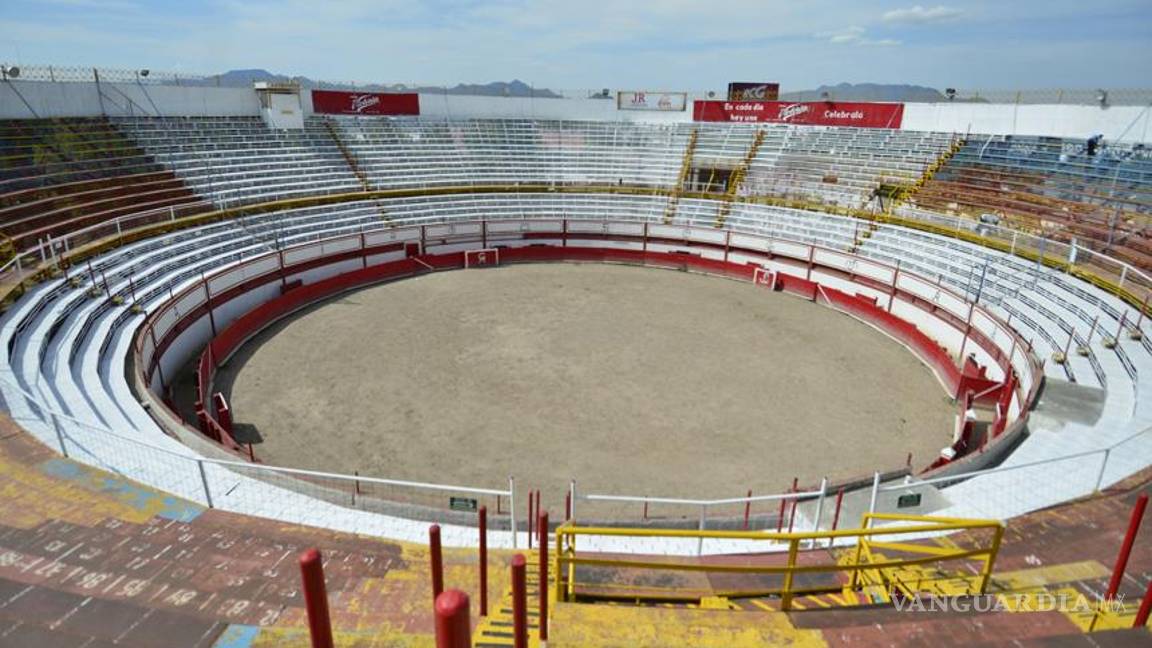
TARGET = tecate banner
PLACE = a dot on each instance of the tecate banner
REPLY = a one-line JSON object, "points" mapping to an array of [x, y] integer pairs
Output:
{"points": [[812, 113], [745, 91], [337, 102], [641, 100]]}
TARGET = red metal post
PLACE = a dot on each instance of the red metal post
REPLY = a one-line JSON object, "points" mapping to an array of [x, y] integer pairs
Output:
{"points": [[453, 627], [783, 503], [483, 560], [1126, 548], [437, 561], [645, 509], [519, 602], [839, 501], [542, 587], [747, 509], [1145, 607], [316, 598], [568, 506], [792, 515]]}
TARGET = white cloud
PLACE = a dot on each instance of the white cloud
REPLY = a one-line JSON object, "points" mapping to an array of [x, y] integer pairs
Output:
{"points": [[855, 35], [918, 15]]}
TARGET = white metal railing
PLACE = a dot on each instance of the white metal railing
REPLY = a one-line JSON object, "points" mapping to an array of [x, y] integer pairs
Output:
{"points": [[215, 486], [785, 499]]}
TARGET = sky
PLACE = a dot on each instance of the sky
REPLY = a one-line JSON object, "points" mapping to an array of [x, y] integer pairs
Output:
{"points": [[617, 44]]}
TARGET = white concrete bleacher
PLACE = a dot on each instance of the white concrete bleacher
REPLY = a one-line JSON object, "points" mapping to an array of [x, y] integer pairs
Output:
{"points": [[237, 160], [71, 347], [68, 348]]}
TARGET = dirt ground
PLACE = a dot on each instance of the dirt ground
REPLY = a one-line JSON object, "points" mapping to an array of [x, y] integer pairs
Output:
{"points": [[630, 380]]}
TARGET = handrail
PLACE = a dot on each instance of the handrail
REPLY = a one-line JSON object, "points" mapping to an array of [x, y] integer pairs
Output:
{"points": [[854, 563]]}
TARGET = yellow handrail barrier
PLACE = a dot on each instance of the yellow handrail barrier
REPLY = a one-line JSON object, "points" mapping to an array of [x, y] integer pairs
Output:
{"points": [[566, 559]]}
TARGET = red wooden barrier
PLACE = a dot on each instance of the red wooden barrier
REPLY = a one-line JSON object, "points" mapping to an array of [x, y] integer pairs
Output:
{"points": [[316, 598], [519, 602], [1126, 548], [542, 588], [453, 627], [483, 560], [437, 561]]}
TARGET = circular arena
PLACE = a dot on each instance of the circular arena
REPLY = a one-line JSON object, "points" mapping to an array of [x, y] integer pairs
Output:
{"points": [[671, 334], [636, 380]]}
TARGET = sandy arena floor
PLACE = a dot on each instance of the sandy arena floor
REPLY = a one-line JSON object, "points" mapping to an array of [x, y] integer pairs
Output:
{"points": [[631, 380]]}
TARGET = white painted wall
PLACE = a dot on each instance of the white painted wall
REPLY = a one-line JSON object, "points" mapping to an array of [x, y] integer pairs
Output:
{"points": [[283, 111], [1126, 123], [27, 99]]}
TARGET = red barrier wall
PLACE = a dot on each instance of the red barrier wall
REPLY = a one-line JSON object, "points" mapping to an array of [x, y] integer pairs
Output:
{"points": [[227, 341]]}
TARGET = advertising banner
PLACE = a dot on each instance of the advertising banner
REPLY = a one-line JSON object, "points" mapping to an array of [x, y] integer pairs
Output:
{"points": [[745, 91], [338, 102], [812, 113], [642, 100]]}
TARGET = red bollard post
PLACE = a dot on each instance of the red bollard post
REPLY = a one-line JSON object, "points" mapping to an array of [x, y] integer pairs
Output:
{"points": [[1126, 548], [1145, 608], [435, 556], [483, 561], [519, 602], [542, 588], [316, 599], [453, 627], [568, 506]]}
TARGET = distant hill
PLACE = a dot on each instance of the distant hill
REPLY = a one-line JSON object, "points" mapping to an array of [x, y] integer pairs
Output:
{"points": [[870, 92], [514, 88]]}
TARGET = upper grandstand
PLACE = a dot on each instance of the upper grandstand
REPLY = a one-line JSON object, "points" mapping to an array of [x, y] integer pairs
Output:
{"points": [[151, 225]]}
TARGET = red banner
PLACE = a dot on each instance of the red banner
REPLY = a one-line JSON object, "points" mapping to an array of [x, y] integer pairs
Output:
{"points": [[813, 113], [335, 102]]}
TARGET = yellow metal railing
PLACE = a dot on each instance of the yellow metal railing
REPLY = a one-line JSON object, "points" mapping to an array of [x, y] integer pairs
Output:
{"points": [[856, 562]]}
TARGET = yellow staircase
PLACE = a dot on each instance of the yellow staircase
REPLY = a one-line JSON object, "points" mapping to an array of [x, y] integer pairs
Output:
{"points": [[685, 169], [495, 630], [737, 180]]}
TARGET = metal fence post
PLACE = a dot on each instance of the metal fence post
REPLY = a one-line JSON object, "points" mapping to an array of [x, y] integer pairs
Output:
{"points": [[820, 507], [59, 434], [204, 481], [1103, 465], [512, 508], [875, 492], [700, 540], [572, 490]]}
